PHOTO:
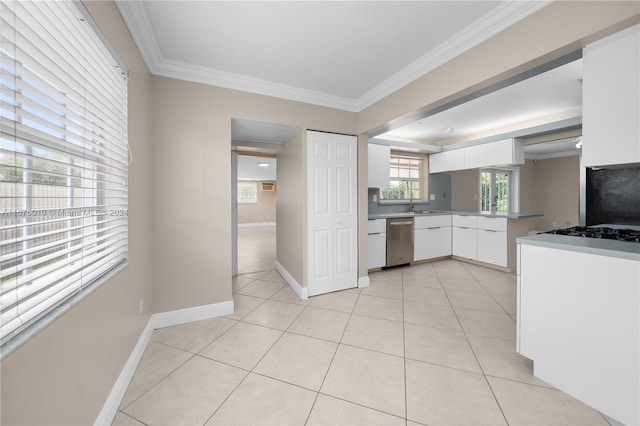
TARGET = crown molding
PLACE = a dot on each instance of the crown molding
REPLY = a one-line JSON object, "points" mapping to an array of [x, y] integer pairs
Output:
{"points": [[475, 33], [198, 74], [135, 16], [137, 20]]}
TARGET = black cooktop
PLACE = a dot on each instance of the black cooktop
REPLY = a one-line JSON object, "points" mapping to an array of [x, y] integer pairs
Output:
{"points": [[603, 232]]}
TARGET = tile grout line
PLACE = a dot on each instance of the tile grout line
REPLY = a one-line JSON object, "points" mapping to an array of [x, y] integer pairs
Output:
{"points": [[404, 353], [488, 292], [474, 352], [249, 372], [332, 359]]}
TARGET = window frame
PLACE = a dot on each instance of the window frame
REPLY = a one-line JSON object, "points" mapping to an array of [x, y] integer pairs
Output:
{"points": [[513, 204], [421, 180], [255, 186], [84, 165]]}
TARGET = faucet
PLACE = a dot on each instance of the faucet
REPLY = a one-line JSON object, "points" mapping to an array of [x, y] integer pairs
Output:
{"points": [[410, 203]]}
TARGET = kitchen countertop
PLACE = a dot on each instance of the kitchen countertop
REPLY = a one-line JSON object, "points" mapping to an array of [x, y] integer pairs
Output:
{"points": [[508, 215], [405, 214], [515, 215], [603, 247]]}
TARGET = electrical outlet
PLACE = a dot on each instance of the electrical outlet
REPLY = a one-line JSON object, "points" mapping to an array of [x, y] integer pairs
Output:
{"points": [[141, 304], [432, 197], [555, 225], [375, 198], [475, 197]]}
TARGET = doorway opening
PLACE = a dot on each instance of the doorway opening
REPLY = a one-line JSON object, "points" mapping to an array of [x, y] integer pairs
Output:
{"points": [[254, 150], [256, 212]]}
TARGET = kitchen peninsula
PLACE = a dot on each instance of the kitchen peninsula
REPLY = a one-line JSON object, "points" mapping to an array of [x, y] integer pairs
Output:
{"points": [[579, 320]]}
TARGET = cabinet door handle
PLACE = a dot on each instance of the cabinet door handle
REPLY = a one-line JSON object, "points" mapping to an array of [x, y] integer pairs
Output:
{"points": [[376, 233], [435, 227], [489, 230], [463, 227]]}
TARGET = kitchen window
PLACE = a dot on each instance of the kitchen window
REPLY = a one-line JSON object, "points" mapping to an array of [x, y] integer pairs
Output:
{"points": [[64, 160], [405, 179], [495, 191], [247, 192]]}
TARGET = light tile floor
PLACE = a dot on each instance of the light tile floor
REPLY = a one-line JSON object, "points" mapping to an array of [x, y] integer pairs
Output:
{"points": [[430, 344]]}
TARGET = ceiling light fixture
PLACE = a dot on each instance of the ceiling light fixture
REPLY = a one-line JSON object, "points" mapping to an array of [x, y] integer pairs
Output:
{"points": [[450, 129], [263, 164], [579, 143]]}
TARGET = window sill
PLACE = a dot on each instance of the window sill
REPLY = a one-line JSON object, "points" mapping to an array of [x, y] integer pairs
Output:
{"points": [[30, 331]]}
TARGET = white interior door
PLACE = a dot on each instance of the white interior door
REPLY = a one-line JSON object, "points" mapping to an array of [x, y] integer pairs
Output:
{"points": [[332, 220]]}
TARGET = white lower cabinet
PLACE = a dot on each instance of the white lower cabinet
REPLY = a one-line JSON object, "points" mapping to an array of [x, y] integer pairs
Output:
{"points": [[464, 242], [480, 238], [432, 237], [377, 248], [492, 247], [376, 243], [430, 243]]}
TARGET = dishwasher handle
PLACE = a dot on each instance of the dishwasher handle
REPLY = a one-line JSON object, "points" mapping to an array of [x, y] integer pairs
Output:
{"points": [[400, 223]]}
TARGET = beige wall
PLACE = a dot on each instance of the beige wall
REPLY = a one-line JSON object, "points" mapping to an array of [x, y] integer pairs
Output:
{"points": [[464, 188], [556, 192], [527, 178], [550, 186], [192, 137], [291, 207], [262, 211], [64, 374]]}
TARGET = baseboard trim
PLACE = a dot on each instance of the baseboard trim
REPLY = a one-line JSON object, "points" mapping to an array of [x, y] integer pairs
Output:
{"points": [[197, 313], [363, 282], [302, 292], [255, 224], [160, 320], [111, 405]]}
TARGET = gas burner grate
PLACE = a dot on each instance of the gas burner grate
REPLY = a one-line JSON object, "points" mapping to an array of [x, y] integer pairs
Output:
{"points": [[603, 232]]}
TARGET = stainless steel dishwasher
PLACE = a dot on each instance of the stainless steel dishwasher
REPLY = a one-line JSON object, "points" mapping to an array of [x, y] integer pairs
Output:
{"points": [[399, 241]]}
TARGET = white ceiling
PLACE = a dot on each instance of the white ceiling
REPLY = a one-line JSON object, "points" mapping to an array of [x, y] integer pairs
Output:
{"points": [[553, 93], [255, 131], [345, 54], [248, 168], [553, 149]]}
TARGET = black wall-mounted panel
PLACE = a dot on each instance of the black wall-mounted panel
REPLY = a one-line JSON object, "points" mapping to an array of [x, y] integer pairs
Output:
{"points": [[613, 196]]}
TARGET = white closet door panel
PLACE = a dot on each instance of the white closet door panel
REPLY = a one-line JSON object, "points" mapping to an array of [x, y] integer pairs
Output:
{"points": [[332, 214]]}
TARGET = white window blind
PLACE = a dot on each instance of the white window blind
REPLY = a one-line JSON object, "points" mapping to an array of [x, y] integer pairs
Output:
{"points": [[63, 159]]}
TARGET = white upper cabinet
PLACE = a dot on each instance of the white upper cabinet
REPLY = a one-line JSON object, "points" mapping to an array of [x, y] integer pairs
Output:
{"points": [[505, 152], [611, 100], [475, 156], [446, 161], [437, 163], [455, 159], [378, 166]]}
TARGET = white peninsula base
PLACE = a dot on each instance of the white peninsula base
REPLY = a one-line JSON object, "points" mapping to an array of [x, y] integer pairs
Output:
{"points": [[578, 320]]}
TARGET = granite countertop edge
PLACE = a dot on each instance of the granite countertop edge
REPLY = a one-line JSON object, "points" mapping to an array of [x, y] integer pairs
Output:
{"points": [[611, 248]]}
